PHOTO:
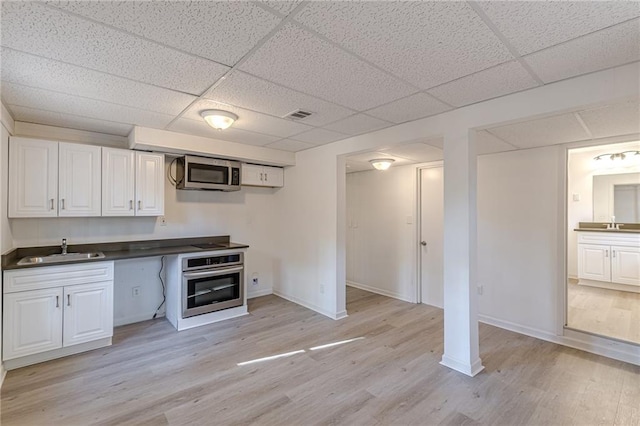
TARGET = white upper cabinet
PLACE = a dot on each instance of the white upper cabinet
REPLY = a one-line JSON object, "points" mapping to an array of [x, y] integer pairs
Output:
{"points": [[149, 184], [79, 180], [256, 175], [33, 178], [118, 182]]}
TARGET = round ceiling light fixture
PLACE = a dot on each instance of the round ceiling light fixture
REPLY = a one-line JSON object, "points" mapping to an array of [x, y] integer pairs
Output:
{"points": [[381, 163], [218, 119]]}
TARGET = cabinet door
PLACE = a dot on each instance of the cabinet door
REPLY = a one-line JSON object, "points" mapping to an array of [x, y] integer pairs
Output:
{"points": [[594, 262], [79, 183], [32, 322], [273, 176], [625, 265], [33, 178], [149, 184], [252, 175], [118, 185], [88, 312]]}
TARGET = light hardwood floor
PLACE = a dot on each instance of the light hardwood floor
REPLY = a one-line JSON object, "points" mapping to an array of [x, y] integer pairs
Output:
{"points": [[602, 311], [154, 375]]}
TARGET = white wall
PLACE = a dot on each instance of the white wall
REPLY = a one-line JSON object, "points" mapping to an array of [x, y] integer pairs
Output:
{"points": [[581, 169], [381, 253]]}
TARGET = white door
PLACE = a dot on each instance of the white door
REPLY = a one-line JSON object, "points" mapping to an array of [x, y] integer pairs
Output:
{"points": [[118, 184], [625, 265], [252, 175], [33, 178], [594, 262], [149, 184], [432, 236], [32, 322], [79, 180], [273, 176], [88, 312]]}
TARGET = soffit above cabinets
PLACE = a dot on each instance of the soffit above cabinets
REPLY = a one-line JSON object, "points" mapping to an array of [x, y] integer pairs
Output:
{"points": [[358, 67]]}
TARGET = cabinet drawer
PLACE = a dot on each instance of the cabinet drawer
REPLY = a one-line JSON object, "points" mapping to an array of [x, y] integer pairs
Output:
{"points": [[56, 276]]}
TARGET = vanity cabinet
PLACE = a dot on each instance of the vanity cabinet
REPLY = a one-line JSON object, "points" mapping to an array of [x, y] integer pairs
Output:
{"points": [[257, 175], [609, 260], [55, 311], [49, 179]]}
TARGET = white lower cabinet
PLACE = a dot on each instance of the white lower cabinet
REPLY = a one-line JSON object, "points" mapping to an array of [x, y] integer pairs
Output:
{"points": [[609, 259], [53, 317]]}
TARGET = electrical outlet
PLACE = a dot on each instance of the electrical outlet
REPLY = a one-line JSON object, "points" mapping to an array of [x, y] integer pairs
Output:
{"points": [[135, 291], [163, 221], [254, 279], [480, 289]]}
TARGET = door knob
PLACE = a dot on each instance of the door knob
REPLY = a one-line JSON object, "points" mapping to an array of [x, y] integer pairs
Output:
{"points": [[423, 243]]}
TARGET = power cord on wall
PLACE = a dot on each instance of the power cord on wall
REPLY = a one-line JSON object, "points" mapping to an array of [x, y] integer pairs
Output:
{"points": [[164, 290]]}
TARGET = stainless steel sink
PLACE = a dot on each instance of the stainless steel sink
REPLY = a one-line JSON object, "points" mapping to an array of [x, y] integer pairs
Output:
{"points": [[59, 258]]}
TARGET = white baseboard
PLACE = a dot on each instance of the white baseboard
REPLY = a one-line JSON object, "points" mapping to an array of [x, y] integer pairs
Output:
{"points": [[136, 318], [259, 293], [574, 339], [462, 367], [380, 291], [297, 301], [3, 374]]}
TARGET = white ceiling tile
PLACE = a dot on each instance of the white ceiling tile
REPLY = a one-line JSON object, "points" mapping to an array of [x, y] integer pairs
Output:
{"points": [[30, 115], [296, 59], [497, 81], [284, 7], [358, 124], [542, 132], [35, 71], [200, 128], [250, 120], [30, 97], [487, 143], [223, 31], [319, 136], [613, 120], [426, 43], [245, 91], [607, 48], [533, 25], [290, 145], [418, 152], [410, 108], [34, 28]]}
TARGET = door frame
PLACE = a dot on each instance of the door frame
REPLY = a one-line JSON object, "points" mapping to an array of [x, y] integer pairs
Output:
{"points": [[418, 235]]}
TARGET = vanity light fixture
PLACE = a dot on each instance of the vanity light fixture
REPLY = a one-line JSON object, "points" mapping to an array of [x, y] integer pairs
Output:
{"points": [[218, 119], [382, 163], [617, 156]]}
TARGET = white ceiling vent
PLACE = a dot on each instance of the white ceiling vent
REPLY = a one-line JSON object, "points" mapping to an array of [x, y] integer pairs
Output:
{"points": [[297, 115]]}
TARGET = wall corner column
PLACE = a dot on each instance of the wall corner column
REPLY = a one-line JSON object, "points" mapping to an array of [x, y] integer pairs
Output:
{"points": [[461, 339]]}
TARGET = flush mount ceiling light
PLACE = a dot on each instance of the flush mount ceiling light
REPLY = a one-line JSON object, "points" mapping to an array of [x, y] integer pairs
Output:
{"points": [[218, 119], [382, 163], [617, 156]]}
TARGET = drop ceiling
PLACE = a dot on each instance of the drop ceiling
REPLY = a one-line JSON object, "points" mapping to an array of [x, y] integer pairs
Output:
{"points": [[107, 66]]}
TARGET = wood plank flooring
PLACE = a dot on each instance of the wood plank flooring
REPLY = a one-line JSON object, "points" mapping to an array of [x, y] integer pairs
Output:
{"points": [[603, 311], [153, 375]]}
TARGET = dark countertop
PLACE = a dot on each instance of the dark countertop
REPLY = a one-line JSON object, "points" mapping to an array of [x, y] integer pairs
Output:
{"points": [[625, 228], [123, 250]]}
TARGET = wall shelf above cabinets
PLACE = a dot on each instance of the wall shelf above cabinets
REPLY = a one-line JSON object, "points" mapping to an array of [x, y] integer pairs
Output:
{"points": [[57, 179], [257, 175]]}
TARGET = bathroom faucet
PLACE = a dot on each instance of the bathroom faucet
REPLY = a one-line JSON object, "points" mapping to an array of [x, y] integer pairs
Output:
{"points": [[64, 246]]}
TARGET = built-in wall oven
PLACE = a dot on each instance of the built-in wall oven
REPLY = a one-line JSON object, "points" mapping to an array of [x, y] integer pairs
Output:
{"points": [[212, 283]]}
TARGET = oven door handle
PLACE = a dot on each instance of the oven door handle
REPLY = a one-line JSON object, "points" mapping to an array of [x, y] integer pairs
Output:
{"points": [[212, 272]]}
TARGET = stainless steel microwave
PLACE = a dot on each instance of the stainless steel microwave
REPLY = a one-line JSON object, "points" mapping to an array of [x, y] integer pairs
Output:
{"points": [[207, 173]]}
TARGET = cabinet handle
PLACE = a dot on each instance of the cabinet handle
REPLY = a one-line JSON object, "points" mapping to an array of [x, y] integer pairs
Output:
{"points": [[606, 253], [261, 177], [139, 204], [52, 207], [265, 177], [68, 300], [57, 301], [130, 204], [62, 203], [613, 253]]}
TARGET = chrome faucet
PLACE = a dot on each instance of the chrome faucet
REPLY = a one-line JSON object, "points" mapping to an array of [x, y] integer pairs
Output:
{"points": [[64, 246]]}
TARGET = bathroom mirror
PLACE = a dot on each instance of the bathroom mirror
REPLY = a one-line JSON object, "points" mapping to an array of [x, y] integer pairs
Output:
{"points": [[616, 195]]}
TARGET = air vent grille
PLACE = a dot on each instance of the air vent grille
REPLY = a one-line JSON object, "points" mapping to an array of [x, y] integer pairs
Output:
{"points": [[298, 115]]}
